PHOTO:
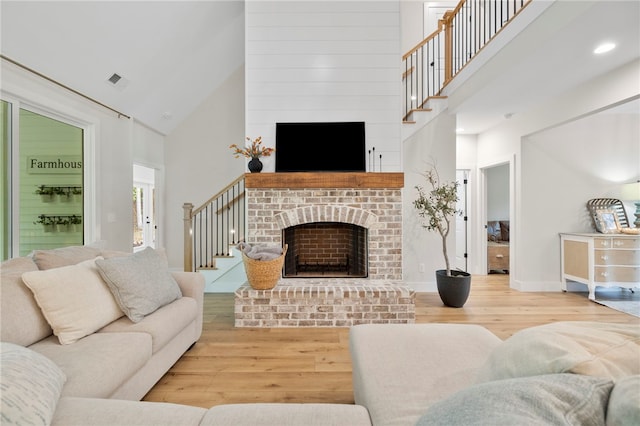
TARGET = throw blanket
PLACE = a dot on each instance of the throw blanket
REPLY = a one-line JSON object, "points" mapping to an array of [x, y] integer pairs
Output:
{"points": [[260, 252]]}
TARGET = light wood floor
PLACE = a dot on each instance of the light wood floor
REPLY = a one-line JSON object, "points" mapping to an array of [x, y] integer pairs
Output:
{"points": [[235, 365]]}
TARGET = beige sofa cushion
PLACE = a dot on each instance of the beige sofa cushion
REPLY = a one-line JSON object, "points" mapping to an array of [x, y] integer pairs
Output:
{"points": [[74, 299], [63, 256], [399, 370], [140, 283], [31, 386], [581, 347], [97, 365], [110, 412], [163, 324], [291, 414], [21, 320]]}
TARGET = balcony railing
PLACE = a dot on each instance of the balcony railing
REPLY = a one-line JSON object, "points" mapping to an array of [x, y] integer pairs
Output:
{"points": [[460, 35], [213, 228]]}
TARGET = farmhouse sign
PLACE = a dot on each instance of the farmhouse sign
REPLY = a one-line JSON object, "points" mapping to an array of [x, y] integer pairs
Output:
{"points": [[55, 164]]}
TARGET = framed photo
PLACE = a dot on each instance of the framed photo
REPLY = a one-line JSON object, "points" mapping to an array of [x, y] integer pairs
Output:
{"points": [[607, 221]]}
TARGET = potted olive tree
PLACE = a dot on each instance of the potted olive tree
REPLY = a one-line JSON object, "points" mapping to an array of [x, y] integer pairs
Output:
{"points": [[436, 205]]}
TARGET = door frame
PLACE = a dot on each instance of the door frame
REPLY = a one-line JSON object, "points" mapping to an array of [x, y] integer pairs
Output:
{"points": [[148, 182], [481, 223]]}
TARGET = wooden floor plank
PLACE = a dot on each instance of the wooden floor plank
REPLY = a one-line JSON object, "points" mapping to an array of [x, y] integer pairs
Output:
{"points": [[237, 365]]}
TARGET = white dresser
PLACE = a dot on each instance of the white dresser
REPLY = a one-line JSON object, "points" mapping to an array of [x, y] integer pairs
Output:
{"points": [[605, 260]]}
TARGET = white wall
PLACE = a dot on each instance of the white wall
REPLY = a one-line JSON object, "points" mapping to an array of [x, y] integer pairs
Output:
{"points": [[422, 249], [199, 161], [557, 171], [608, 150], [411, 23], [325, 61]]}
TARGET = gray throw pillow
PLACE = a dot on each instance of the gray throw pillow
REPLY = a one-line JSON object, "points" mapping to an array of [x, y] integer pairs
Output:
{"points": [[552, 399], [141, 283]]}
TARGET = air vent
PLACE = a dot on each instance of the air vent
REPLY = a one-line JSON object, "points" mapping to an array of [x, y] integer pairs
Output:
{"points": [[117, 81], [114, 79]]}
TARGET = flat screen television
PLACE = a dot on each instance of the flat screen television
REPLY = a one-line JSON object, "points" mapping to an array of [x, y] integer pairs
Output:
{"points": [[320, 147]]}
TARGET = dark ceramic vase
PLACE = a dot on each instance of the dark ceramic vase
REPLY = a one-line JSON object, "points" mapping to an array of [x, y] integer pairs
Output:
{"points": [[255, 165], [453, 289]]}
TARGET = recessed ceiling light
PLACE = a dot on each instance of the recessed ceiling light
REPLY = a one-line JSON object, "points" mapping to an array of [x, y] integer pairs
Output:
{"points": [[460, 130], [604, 48]]}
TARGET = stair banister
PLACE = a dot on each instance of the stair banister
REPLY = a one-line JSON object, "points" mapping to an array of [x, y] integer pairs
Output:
{"points": [[461, 34], [212, 228]]}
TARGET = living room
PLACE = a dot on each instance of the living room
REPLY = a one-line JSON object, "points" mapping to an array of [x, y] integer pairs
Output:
{"points": [[562, 148]]}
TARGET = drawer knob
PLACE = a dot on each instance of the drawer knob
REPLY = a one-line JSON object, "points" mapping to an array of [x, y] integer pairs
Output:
{"points": [[603, 257], [619, 243], [604, 274]]}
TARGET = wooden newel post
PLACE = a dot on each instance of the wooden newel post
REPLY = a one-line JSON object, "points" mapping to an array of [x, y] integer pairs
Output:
{"points": [[188, 237], [447, 21]]}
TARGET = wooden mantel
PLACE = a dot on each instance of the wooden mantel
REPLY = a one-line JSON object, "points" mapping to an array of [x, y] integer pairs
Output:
{"points": [[324, 180]]}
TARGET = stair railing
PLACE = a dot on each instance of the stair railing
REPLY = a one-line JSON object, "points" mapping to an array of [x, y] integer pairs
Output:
{"points": [[213, 228], [460, 36]]}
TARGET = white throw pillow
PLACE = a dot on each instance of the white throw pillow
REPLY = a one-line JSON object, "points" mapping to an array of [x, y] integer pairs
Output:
{"points": [[31, 386], [74, 299], [579, 347], [141, 283]]}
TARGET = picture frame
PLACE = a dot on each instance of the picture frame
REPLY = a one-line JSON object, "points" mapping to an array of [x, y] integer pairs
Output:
{"points": [[607, 222]]}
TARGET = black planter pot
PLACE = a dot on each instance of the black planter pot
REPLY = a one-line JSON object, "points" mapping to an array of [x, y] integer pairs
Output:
{"points": [[255, 165], [454, 289]]}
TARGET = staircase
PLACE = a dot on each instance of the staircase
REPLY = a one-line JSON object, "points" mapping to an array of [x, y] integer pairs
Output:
{"points": [[211, 233], [461, 34], [212, 230]]}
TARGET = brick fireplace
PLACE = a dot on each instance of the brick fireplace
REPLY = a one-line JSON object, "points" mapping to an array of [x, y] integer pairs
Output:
{"points": [[330, 209]]}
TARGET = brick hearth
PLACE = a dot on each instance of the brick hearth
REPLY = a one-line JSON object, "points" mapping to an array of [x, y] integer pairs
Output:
{"points": [[324, 303]]}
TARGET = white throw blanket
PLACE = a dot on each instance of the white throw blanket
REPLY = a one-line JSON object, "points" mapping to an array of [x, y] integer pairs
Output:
{"points": [[260, 252]]}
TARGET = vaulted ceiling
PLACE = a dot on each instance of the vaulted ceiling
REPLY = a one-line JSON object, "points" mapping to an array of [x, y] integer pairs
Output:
{"points": [[171, 55]]}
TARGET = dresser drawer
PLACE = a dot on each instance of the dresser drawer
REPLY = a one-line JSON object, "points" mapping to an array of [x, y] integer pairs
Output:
{"points": [[626, 243], [617, 257], [498, 257], [615, 242], [602, 243], [623, 274]]}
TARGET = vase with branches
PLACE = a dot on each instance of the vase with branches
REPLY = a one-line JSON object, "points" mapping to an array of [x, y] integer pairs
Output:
{"points": [[253, 150]]}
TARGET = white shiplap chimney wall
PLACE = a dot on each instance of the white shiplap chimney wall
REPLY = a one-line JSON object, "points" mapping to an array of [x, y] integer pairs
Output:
{"points": [[325, 61]]}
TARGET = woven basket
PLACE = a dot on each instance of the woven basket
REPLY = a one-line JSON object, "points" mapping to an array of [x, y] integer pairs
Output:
{"points": [[264, 274]]}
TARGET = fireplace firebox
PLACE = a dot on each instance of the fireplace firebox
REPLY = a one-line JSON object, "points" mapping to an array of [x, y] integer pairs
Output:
{"points": [[326, 249]]}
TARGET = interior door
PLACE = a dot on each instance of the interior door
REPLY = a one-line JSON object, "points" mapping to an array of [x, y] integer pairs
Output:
{"points": [[462, 222]]}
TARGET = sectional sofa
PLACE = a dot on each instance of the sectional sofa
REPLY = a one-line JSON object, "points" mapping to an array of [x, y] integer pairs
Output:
{"points": [[55, 371]]}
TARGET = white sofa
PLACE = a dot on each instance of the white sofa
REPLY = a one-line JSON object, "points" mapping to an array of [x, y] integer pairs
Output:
{"points": [[573, 373], [403, 374], [120, 360]]}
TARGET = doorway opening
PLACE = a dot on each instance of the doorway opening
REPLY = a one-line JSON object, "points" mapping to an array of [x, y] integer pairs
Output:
{"points": [[144, 207], [498, 220]]}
